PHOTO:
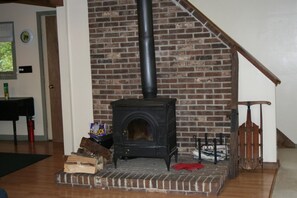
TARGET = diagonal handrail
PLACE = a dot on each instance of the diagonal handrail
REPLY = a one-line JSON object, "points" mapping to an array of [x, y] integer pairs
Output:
{"points": [[228, 40]]}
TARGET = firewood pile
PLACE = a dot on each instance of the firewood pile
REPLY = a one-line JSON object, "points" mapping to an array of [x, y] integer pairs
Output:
{"points": [[89, 158]]}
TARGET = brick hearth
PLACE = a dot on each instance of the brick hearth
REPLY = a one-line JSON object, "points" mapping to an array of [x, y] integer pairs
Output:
{"points": [[151, 175]]}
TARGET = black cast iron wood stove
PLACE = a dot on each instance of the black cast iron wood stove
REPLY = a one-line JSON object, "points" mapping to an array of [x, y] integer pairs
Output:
{"points": [[145, 127]]}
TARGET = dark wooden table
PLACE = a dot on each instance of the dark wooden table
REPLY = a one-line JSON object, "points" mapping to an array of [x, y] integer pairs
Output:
{"points": [[12, 108]]}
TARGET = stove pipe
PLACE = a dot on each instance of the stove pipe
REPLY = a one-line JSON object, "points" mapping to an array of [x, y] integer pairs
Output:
{"points": [[147, 49]]}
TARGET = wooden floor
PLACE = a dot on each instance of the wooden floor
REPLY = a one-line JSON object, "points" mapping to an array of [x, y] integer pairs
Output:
{"points": [[38, 180]]}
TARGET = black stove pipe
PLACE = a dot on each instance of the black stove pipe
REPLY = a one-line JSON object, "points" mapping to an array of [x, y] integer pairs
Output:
{"points": [[147, 49]]}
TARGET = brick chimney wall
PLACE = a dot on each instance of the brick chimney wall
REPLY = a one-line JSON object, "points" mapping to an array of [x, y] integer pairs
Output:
{"points": [[193, 65]]}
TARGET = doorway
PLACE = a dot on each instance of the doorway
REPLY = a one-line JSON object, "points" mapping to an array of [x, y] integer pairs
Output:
{"points": [[50, 75]]}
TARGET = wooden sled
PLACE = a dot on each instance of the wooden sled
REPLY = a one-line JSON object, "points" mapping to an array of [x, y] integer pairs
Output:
{"points": [[250, 141]]}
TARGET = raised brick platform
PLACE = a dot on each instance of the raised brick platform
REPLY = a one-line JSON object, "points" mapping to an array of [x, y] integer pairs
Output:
{"points": [[151, 175]]}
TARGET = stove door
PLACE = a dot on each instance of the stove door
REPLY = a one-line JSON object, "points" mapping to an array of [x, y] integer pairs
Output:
{"points": [[139, 128]]}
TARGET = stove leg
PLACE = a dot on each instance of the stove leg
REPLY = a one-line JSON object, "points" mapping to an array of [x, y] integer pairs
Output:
{"points": [[167, 161], [168, 158], [115, 161]]}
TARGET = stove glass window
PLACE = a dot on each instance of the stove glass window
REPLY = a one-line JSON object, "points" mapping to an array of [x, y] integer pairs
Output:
{"points": [[140, 129]]}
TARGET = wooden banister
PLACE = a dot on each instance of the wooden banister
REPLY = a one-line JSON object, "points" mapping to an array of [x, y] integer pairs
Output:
{"points": [[229, 41], [258, 64]]}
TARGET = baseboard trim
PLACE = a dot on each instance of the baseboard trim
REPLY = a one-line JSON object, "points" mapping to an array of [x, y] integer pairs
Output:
{"points": [[274, 179], [271, 165]]}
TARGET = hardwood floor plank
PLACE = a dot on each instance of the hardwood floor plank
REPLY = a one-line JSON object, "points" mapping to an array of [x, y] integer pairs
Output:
{"points": [[38, 180]]}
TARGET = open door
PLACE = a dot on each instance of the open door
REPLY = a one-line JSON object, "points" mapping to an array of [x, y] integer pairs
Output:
{"points": [[54, 78], [51, 76]]}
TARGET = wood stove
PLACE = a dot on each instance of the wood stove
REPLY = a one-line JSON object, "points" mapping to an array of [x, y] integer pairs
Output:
{"points": [[145, 127]]}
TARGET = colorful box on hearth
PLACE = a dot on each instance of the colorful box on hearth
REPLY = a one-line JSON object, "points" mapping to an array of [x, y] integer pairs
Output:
{"points": [[98, 129]]}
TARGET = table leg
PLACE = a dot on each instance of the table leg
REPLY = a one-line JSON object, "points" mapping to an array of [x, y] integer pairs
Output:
{"points": [[14, 132]]}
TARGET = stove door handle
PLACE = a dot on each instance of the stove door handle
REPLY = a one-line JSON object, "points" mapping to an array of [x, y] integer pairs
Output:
{"points": [[125, 132]]}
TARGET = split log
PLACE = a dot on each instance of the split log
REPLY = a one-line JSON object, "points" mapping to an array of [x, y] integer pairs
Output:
{"points": [[82, 164], [95, 148], [85, 153]]}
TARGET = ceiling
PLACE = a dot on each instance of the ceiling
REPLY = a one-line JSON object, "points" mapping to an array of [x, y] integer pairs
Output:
{"points": [[46, 3]]}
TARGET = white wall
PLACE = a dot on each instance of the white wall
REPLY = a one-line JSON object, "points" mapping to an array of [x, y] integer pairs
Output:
{"points": [[76, 84], [28, 84], [254, 86], [75, 68], [268, 30]]}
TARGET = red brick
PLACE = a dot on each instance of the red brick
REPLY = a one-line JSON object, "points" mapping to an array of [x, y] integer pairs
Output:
{"points": [[187, 50]]}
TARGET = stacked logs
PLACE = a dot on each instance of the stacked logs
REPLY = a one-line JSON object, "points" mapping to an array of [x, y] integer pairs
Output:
{"points": [[89, 158]]}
